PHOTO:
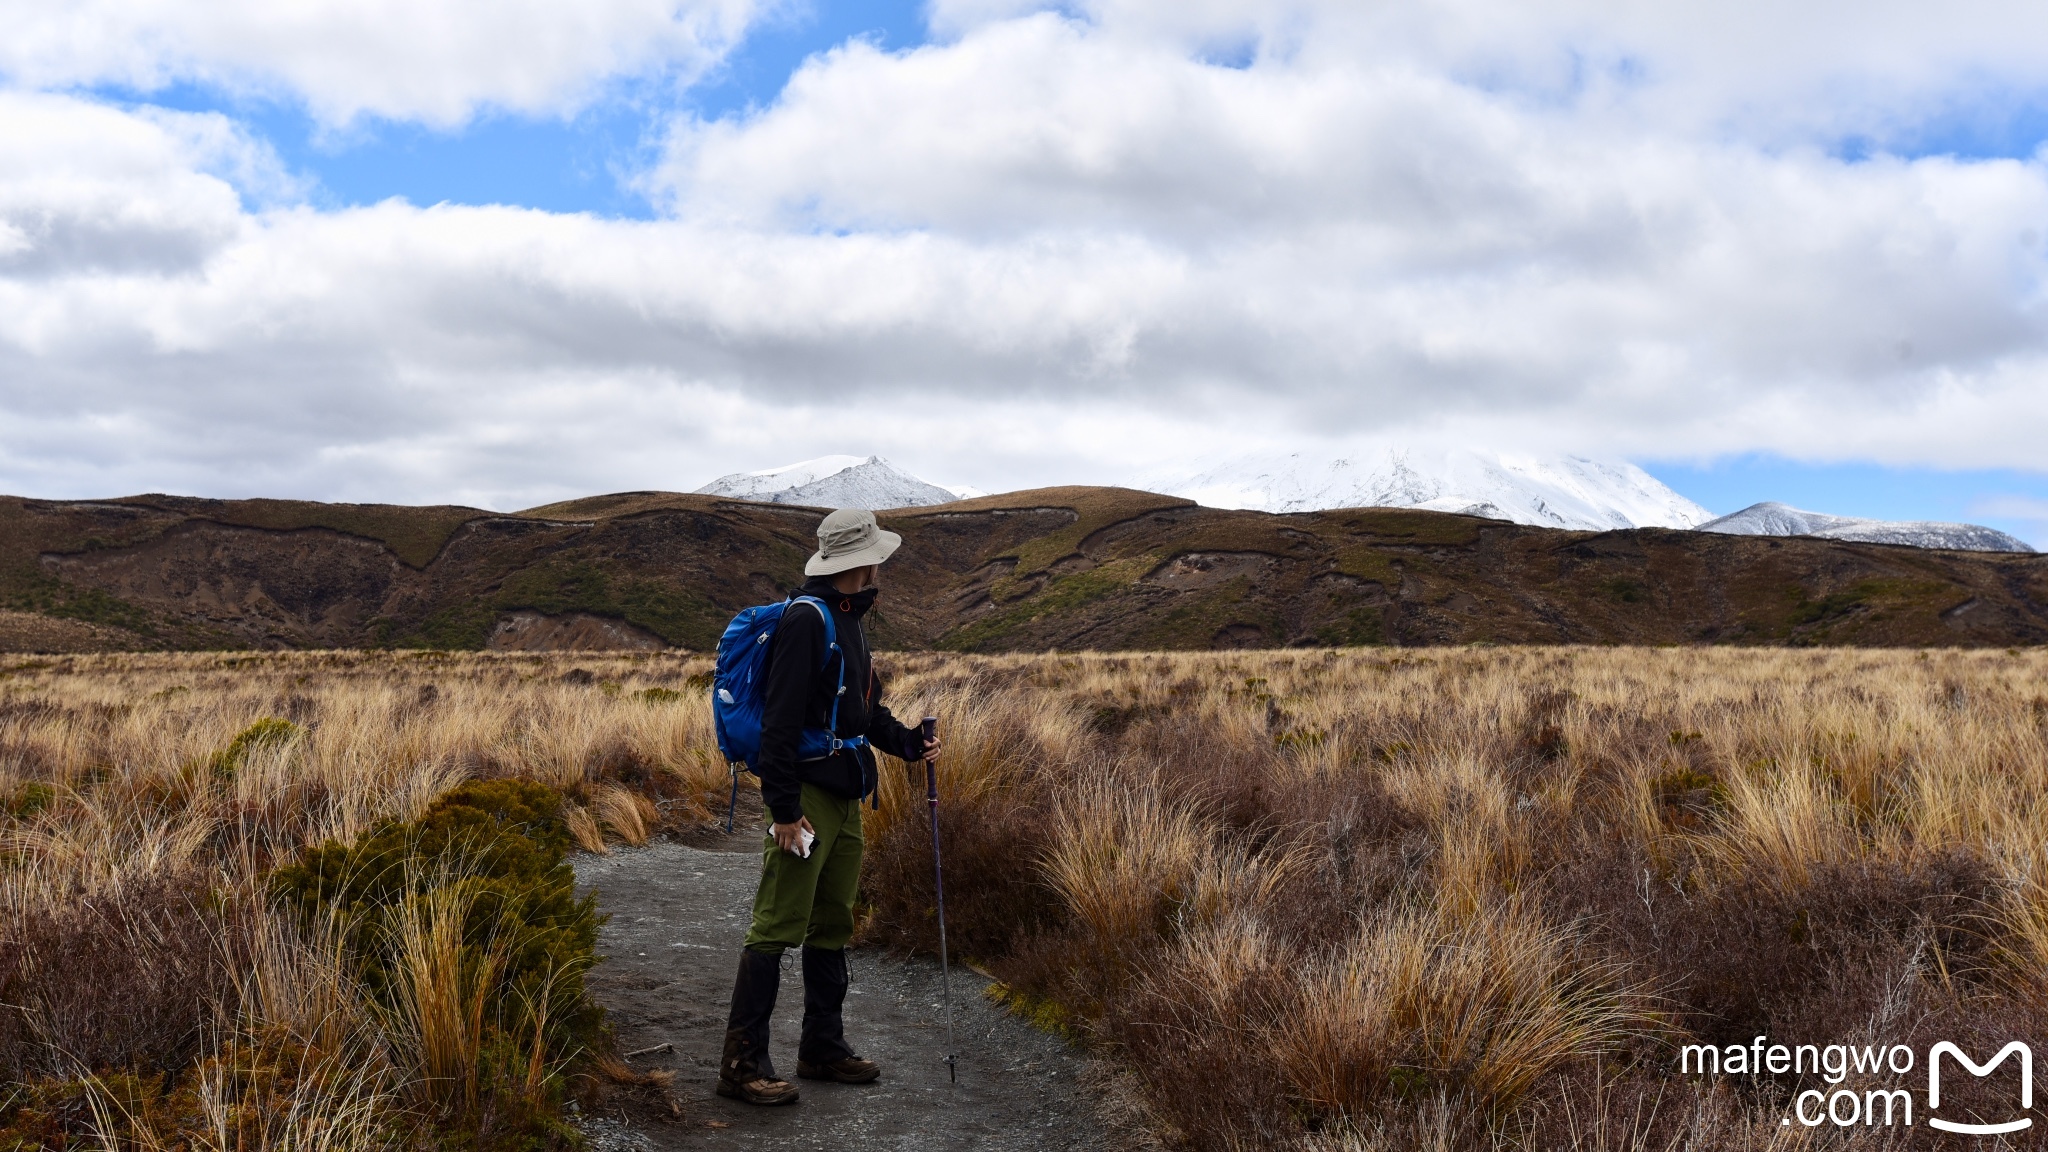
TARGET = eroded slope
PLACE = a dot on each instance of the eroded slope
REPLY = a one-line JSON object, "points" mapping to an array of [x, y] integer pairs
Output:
{"points": [[1061, 568]]}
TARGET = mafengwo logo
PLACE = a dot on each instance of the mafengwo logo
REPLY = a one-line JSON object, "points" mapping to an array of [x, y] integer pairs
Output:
{"points": [[1869, 1107], [1945, 1048]]}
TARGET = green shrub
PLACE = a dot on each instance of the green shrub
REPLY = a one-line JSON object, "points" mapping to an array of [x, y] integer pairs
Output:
{"points": [[1359, 628], [1624, 590], [267, 731], [1301, 739], [29, 799], [262, 1089], [53, 597], [61, 1113], [506, 843]]}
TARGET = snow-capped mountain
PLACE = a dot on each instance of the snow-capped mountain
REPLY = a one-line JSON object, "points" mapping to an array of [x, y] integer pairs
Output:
{"points": [[1773, 519], [1549, 491], [832, 482]]}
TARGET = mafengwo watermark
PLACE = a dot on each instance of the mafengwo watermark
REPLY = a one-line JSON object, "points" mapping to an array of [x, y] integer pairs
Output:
{"points": [[1872, 1107]]}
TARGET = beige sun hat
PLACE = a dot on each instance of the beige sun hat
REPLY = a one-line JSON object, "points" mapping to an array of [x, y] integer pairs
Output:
{"points": [[850, 538]]}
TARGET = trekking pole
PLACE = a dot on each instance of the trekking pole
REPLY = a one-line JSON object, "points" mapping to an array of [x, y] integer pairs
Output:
{"points": [[732, 806], [930, 729]]}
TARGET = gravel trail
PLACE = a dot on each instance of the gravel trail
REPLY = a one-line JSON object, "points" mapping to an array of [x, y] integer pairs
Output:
{"points": [[678, 914]]}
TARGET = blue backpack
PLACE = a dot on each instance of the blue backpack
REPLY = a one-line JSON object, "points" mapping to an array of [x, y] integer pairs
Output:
{"points": [[739, 691]]}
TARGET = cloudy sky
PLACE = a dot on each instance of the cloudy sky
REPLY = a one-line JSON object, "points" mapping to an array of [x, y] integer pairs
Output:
{"points": [[501, 253]]}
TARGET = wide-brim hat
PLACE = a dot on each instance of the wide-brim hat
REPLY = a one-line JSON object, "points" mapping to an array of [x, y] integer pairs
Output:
{"points": [[850, 538]]}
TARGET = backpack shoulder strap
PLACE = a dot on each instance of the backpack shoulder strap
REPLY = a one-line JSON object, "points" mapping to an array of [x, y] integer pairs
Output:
{"points": [[824, 614], [831, 647]]}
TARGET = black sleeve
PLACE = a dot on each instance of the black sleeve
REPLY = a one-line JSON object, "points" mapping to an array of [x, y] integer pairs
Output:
{"points": [[886, 733], [794, 657]]}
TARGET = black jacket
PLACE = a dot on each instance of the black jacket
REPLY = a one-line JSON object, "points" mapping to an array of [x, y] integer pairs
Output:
{"points": [[800, 683]]}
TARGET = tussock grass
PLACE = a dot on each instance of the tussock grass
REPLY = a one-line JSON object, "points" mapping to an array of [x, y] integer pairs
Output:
{"points": [[1477, 898], [441, 993], [584, 829], [159, 993], [627, 814], [1444, 899]]}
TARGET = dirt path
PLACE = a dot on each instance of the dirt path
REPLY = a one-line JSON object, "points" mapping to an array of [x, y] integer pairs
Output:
{"points": [[678, 915]]}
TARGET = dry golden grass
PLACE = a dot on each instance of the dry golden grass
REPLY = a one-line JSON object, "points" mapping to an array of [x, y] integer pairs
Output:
{"points": [[442, 996], [1360, 899], [202, 772], [1474, 898], [124, 744], [628, 815]]}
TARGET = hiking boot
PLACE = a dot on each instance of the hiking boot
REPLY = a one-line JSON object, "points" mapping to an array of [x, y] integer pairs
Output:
{"points": [[823, 1053], [851, 1070], [745, 1072], [759, 1091]]}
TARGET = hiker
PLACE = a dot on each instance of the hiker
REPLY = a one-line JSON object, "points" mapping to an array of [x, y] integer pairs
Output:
{"points": [[807, 899]]}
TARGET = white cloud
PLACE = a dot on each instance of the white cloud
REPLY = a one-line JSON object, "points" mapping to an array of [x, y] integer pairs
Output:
{"points": [[1748, 64], [436, 61], [2028, 516], [1372, 244], [86, 189], [1052, 249], [2017, 507]]}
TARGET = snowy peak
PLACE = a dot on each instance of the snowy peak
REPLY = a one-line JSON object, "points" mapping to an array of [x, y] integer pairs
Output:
{"points": [[760, 485], [1546, 491], [1773, 519], [1569, 492], [832, 482]]}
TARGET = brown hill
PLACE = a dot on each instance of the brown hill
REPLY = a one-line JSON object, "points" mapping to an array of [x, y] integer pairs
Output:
{"points": [[1053, 568]]}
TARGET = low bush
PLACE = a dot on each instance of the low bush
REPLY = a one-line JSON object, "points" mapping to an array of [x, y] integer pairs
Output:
{"points": [[138, 1015], [28, 799], [124, 980], [268, 1090], [465, 932], [263, 733], [58, 1114]]}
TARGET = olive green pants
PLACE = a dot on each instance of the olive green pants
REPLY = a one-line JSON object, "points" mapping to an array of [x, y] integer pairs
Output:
{"points": [[810, 900]]}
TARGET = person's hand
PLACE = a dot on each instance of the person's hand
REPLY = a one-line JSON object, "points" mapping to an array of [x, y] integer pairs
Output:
{"points": [[787, 836], [931, 749]]}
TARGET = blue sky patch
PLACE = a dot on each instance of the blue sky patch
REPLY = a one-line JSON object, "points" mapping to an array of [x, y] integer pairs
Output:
{"points": [[1973, 124], [754, 75], [1239, 53], [580, 164]]}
